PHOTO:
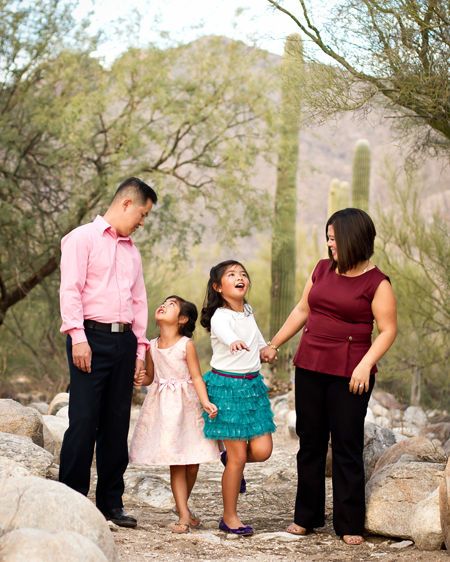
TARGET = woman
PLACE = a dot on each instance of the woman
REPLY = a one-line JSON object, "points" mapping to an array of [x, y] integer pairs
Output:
{"points": [[335, 367]]}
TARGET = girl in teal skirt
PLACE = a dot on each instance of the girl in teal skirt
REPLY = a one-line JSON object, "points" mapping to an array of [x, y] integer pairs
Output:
{"points": [[244, 421]]}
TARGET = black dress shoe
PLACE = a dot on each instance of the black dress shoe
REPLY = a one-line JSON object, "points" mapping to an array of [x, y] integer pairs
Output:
{"points": [[118, 516]]}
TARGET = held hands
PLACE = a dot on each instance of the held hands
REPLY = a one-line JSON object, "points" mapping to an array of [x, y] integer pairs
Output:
{"points": [[268, 354], [211, 409], [82, 356], [238, 346], [360, 378], [139, 377]]}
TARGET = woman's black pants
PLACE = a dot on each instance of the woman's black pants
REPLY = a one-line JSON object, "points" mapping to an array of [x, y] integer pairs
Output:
{"points": [[325, 406], [99, 414]]}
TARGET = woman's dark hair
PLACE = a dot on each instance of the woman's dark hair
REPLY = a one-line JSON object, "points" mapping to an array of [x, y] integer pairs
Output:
{"points": [[354, 233], [213, 299], [189, 310], [142, 191]]}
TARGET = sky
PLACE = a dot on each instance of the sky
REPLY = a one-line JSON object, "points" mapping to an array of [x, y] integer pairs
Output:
{"points": [[165, 21]]}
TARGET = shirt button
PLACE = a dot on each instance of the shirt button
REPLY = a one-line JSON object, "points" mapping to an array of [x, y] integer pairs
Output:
{"points": [[350, 338], [306, 329]]}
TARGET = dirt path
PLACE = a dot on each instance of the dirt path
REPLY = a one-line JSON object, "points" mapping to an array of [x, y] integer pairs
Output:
{"points": [[267, 506]]}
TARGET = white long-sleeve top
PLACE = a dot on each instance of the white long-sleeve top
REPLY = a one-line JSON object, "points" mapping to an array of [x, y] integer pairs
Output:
{"points": [[228, 326]]}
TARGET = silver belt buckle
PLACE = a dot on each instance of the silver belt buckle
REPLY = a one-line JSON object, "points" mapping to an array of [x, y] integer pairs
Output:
{"points": [[116, 327]]}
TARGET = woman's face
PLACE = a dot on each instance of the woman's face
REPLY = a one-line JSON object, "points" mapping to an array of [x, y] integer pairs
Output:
{"points": [[331, 242]]}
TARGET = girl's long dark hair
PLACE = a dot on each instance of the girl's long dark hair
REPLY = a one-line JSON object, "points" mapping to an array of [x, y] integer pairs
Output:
{"points": [[213, 299], [189, 310]]}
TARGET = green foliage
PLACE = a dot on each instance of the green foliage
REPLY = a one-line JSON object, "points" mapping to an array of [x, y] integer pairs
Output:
{"points": [[191, 119], [414, 250], [361, 176], [284, 224]]}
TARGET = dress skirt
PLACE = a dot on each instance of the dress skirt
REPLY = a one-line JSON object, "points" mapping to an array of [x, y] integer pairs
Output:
{"points": [[243, 404]]}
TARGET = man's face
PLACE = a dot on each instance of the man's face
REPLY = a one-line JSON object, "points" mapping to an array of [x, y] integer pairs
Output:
{"points": [[134, 215]]}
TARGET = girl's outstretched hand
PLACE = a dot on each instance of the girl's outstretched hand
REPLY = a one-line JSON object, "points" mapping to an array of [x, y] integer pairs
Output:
{"points": [[139, 377], [239, 346], [211, 409]]}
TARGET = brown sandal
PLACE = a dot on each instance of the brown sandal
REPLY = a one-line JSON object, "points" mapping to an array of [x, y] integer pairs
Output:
{"points": [[179, 528], [295, 529], [353, 540]]}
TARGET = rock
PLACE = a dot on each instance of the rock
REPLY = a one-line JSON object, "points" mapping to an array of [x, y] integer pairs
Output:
{"points": [[444, 505], [401, 544], [417, 448], [370, 418], [393, 492], [446, 447], [379, 410], [23, 451], [439, 431], [58, 402], [383, 422], [9, 468], [414, 415], [376, 441], [53, 507], [148, 488], [426, 523], [54, 429], [291, 420], [63, 412], [387, 400], [41, 407], [280, 536], [280, 416], [399, 436], [37, 545], [21, 420], [409, 430]]}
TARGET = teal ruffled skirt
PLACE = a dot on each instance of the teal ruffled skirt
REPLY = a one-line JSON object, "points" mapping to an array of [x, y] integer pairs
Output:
{"points": [[244, 407]]}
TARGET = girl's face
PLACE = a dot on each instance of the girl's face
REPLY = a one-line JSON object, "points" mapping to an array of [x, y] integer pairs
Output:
{"points": [[168, 311], [331, 242], [234, 283]]}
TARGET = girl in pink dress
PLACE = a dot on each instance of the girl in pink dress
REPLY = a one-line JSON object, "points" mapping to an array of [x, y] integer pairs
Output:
{"points": [[169, 430]]}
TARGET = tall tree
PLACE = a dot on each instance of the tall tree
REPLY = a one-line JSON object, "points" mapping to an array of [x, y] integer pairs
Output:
{"points": [[396, 48], [361, 175], [284, 224], [184, 117]]}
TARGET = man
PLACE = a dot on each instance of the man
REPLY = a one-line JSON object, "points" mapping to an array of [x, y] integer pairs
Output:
{"points": [[104, 314]]}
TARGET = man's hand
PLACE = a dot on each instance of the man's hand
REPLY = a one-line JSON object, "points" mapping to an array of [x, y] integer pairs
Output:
{"points": [[82, 356], [139, 367]]}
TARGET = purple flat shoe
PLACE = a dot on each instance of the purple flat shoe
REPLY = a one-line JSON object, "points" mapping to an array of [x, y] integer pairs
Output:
{"points": [[246, 531], [243, 485]]}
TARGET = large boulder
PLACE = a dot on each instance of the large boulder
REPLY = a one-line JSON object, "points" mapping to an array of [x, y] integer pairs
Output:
{"points": [[30, 502], [417, 448], [58, 402], [439, 431], [426, 528], [444, 505], [393, 492], [415, 416], [54, 429], [41, 407], [376, 441], [24, 452], [386, 400], [37, 545], [21, 420], [9, 468]]}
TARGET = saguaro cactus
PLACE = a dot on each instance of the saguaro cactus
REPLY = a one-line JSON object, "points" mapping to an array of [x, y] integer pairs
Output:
{"points": [[284, 224], [338, 196], [361, 175]]}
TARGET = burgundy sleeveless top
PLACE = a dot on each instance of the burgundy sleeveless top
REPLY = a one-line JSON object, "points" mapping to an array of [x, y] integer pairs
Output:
{"points": [[338, 331]]}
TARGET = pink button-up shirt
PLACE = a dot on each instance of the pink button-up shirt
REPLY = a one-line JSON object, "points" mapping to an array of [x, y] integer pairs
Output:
{"points": [[102, 280]]}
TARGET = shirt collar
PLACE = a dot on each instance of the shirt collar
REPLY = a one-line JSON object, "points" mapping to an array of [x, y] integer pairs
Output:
{"points": [[102, 226]]}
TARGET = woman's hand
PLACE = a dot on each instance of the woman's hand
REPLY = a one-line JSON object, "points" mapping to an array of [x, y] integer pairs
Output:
{"points": [[268, 354], [211, 409], [238, 345], [360, 378]]}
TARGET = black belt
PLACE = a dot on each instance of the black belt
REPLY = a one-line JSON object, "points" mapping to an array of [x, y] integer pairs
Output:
{"points": [[102, 327]]}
